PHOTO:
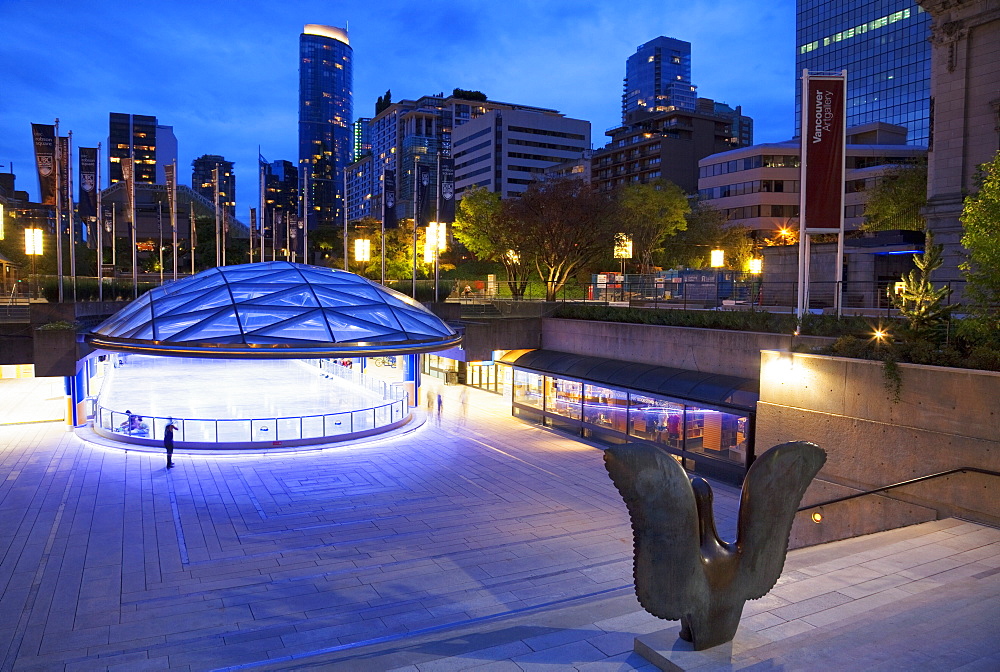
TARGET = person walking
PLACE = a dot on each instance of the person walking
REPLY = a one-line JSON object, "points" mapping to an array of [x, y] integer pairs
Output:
{"points": [[168, 442], [440, 407]]}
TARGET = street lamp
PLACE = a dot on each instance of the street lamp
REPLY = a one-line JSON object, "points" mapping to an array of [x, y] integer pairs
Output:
{"points": [[623, 251], [756, 267], [362, 250], [434, 243], [33, 248], [718, 260]]}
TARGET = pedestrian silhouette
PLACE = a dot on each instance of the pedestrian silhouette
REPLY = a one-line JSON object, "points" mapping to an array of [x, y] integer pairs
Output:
{"points": [[440, 408]]}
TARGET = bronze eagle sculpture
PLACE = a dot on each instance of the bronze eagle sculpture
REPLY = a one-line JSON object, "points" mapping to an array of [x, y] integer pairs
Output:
{"points": [[683, 570]]}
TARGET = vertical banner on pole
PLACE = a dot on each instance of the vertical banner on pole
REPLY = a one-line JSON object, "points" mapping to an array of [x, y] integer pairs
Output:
{"points": [[389, 199], [446, 182], [45, 148], [823, 147], [87, 208], [422, 186]]}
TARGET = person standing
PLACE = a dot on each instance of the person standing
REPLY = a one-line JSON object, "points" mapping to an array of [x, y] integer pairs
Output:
{"points": [[168, 442], [440, 408]]}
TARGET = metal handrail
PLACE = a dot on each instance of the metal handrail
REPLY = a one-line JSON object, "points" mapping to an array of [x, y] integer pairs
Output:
{"points": [[901, 484]]}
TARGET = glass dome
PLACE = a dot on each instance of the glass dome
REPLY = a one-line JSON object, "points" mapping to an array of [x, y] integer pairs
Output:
{"points": [[273, 309]]}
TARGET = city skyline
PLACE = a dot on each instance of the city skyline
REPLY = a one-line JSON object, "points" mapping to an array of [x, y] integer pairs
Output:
{"points": [[159, 59]]}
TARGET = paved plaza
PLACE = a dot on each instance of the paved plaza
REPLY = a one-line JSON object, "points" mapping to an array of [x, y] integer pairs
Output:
{"points": [[473, 541]]}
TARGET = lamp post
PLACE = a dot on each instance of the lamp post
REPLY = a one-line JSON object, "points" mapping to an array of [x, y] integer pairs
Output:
{"points": [[362, 250], [718, 260], [33, 248], [756, 267], [436, 240], [623, 251]]}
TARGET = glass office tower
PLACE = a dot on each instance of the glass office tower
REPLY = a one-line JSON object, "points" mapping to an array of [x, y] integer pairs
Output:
{"points": [[657, 77], [326, 107], [883, 46]]}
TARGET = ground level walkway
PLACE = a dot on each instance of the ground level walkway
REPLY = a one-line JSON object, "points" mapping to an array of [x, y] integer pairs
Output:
{"points": [[473, 542]]}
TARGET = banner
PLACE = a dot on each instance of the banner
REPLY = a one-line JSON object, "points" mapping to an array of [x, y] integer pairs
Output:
{"points": [[45, 159], [87, 208], [422, 186], [823, 154], [446, 180], [389, 199], [168, 173], [64, 170]]}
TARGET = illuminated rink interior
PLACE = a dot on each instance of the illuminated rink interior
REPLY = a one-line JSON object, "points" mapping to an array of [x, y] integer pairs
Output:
{"points": [[225, 389]]}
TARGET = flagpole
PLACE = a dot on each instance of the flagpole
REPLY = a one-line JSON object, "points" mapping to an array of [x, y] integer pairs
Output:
{"points": [[69, 207], [173, 217], [159, 225], [218, 229], [59, 188], [135, 227], [383, 226], [261, 187], [192, 233], [416, 187], [100, 228], [114, 231]]}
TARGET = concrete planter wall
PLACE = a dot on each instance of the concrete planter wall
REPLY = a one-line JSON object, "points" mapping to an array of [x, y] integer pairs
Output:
{"points": [[735, 353], [945, 419]]}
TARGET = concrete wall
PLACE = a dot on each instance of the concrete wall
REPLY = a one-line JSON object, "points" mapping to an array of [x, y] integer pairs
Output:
{"points": [[945, 419], [735, 353]]}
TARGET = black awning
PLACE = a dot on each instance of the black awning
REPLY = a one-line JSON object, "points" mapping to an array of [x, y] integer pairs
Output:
{"points": [[681, 384]]}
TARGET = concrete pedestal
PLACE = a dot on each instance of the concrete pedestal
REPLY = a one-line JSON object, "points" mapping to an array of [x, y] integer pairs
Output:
{"points": [[667, 651]]}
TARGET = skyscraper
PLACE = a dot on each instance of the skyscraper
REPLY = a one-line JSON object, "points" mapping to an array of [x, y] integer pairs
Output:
{"points": [[326, 141], [883, 46], [139, 136], [203, 178], [658, 77]]}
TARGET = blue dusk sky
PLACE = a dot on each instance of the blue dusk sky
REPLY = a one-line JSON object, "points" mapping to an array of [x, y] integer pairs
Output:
{"points": [[224, 73]]}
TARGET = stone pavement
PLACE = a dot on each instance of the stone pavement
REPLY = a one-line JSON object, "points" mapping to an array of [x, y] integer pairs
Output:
{"points": [[479, 542]]}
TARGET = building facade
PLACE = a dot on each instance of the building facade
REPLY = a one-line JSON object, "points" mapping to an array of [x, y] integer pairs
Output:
{"points": [[504, 151], [326, 137], [758, 187], [668, 145], [658, 77], [411, 132], [209, 169], [142, 138], [884, 48], [362, 138], [359, 191]]}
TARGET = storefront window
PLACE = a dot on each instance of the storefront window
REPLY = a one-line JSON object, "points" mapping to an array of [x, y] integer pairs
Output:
{"points": [[720, 435], [605, 407], [656, 420], [528, 389], [562, 397]]}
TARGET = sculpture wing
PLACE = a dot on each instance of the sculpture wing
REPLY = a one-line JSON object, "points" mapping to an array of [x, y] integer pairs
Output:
{"points": [[772, 492], [661, 504]]}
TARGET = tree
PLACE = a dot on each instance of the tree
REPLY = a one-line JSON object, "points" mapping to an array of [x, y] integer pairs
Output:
{"points": [[383, 102], [920, 303], [466, 94], [565, 225], [896, 200], [981, 223], [650, 212], [482, 225], [707, 230]]}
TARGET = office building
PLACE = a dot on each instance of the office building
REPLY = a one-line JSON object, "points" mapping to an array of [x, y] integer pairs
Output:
{"points": [[412, 131], [658, 77], [668, 145], [209, 168], [326, 139], [359, 190], [141, 137], [504, 151], [885, 48], [758, 187], [362, 138]]}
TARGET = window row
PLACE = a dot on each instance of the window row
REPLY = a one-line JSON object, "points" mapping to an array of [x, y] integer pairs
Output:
{"points": [[683, 428]]}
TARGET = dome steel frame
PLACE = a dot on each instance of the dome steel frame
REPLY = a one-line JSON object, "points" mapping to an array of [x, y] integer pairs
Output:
{"points": [[271, 310]]}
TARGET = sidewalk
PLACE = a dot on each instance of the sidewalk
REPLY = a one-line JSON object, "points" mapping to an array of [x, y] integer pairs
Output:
{"points": [[483, 543]]}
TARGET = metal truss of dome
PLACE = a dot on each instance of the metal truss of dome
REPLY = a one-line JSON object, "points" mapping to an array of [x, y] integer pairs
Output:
{"points": [[273, 309]]}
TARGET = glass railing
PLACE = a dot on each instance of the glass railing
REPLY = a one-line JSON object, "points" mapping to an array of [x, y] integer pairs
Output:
{"points": [[267, 431]]}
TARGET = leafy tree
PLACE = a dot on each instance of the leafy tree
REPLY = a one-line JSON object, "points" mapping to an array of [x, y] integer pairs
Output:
{"points": [[896, 200], [482, 225], [383, 102], [466, 94], [920, 303], [981, 223], [565, 225], [707, 230], [650, 212]]}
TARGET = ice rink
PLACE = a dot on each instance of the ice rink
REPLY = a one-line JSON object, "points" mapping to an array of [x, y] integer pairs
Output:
{"points": [[226, 388]]}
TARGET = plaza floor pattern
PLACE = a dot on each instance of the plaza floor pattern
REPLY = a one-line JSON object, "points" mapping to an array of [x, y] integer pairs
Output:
{"points": [[472, 542]]}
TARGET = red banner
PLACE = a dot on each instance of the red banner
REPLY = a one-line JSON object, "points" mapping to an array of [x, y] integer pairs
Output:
{"points": [[823, 154]]}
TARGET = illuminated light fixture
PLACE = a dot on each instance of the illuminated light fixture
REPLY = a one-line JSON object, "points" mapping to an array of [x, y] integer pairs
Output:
{"points": [[899, 288], [880, 334], [362, 250], [1, 222], [513, 256], [623, 246], [817, 517], [718, 258], [756, 266], [33, 242]]}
